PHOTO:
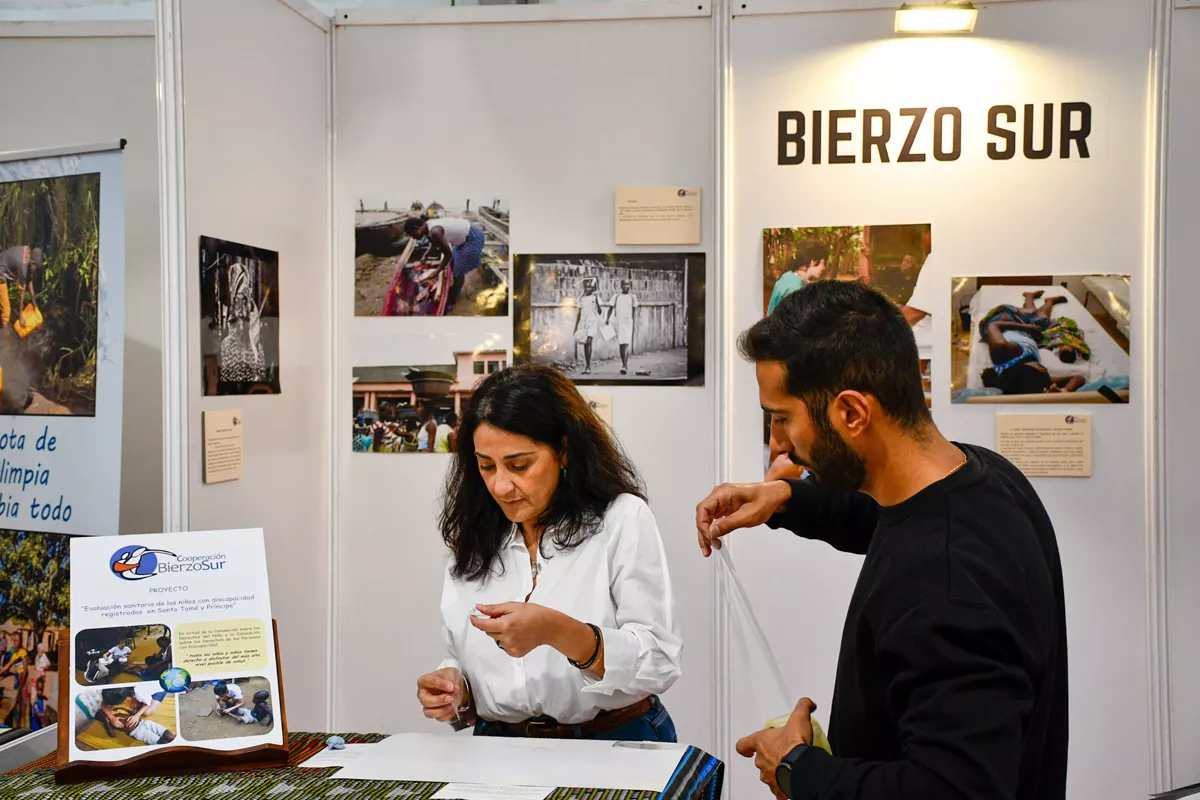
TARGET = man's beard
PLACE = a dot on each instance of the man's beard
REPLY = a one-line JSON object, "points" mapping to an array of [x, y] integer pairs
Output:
{"points": [[832, 461]]}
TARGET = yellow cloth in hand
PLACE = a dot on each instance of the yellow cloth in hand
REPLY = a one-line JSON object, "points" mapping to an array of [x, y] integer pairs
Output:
{"points": [[819, 738]]}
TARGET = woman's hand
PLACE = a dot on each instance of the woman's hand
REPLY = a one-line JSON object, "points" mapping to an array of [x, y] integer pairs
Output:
{"points": [[441, 693], [519, 628]]}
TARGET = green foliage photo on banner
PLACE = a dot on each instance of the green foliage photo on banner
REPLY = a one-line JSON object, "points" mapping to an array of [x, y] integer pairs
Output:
{"points": [[34, 614], [49, 295]]}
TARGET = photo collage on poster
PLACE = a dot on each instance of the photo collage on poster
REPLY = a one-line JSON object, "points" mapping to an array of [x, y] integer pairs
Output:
{"points": [[615, 319], [134, 695], [34, 617]]}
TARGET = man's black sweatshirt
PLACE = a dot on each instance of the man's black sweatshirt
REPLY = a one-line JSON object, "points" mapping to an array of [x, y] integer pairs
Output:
{"points": [[952, 677]]}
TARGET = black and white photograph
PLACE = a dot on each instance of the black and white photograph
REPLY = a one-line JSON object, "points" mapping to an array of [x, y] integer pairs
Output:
{"points": [[239, 318], [616, 318], [424, 258]]}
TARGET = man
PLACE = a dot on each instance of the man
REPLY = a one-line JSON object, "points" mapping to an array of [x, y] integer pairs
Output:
{"points": [[920, 303], [807, 266], [146, 731], [147, 700], [17, 264], [158, 662], [229, 698], [117, 657], [952, 676]]}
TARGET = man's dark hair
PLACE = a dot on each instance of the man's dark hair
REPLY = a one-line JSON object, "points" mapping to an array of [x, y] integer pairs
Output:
{"points": [[836, 336], [115, 696], [817, 251], [800, 256], [539, 403], [412, 226]]}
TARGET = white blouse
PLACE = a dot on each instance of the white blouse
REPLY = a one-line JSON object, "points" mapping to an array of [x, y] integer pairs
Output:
{"points": [[616, 580]]}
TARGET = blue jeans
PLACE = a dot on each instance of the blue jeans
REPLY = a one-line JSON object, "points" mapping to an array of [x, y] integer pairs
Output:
{"points": [[655, 725]]}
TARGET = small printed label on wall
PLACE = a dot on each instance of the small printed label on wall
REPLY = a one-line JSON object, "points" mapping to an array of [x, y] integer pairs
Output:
{"points": [[658, 215], [1047, 445], [222, 445]]}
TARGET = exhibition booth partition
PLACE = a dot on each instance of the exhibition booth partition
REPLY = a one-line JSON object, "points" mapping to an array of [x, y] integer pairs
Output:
{"points": [[637, 183]]}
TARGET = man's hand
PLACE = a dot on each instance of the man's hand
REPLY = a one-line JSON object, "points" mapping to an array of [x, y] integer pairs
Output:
{"points": [[441, 693], [518, 628], [769, 747], [737, 505]]}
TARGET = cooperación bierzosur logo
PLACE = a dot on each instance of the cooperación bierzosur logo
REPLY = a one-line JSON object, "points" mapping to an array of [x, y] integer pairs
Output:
{"points": [[135, 563]]}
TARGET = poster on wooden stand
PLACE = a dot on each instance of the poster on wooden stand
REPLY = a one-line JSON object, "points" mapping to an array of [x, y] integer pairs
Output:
{"points": [[172, 660]]}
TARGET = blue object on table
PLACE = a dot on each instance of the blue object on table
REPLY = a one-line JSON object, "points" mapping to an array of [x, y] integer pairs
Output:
{"points": [[335, 742]]}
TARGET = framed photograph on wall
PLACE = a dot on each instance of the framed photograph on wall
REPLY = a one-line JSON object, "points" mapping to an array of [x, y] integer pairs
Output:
{"points": [[432, 260], [50, 295], [1041, 339], [614, 318], [894, 259], [239, 318]]}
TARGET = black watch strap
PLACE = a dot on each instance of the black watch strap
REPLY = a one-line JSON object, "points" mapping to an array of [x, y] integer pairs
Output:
{"points": [[783, 773]]}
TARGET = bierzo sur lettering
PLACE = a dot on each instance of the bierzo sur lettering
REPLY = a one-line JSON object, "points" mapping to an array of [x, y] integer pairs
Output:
{"points": [[848, 136]]}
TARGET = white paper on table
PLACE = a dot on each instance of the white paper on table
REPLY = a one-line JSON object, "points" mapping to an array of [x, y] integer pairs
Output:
{"points": [[496, 761], [337, 758], [471, 791]]}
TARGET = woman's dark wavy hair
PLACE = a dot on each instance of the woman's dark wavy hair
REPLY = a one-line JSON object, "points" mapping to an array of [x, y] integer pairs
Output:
{"points": [[540, 403]]}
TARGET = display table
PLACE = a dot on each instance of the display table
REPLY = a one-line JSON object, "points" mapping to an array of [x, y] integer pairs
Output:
{"points": [[699, 776]]}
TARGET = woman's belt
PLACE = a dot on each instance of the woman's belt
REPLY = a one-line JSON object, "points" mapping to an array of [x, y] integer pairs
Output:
{"points": [[603, 722]]}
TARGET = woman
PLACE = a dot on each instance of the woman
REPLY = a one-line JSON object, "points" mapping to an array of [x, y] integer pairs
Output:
{"points": [[17, 665], [587, 321], [445, 439], [427, 432], [557, 607], [242, 357], [459, 242]]}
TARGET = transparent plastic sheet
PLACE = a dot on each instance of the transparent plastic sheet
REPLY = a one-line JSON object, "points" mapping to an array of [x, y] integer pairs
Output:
{"points": [[743, 619]]}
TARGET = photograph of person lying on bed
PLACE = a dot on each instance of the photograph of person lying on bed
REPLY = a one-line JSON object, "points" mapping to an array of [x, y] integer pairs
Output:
{"points": [[1032, 340]]}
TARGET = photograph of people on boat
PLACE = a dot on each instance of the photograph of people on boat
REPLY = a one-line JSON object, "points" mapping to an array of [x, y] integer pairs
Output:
{"points": [[432, 260]]}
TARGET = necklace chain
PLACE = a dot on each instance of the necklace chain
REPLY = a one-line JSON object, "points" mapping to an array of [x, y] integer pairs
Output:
{"points": [[957, 467]]}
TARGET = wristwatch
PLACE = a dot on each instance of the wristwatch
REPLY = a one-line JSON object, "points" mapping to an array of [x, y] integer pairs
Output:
{"points": [[783, 773]]}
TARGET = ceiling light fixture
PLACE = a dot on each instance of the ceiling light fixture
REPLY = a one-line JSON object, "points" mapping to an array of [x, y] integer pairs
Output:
{"points": [[936, 18]]}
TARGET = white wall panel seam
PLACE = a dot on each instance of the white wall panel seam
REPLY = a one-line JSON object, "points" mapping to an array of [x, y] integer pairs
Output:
{"points": [[1154, 305], [523, 14], [334, 460], [174, 295], [722, 719]]}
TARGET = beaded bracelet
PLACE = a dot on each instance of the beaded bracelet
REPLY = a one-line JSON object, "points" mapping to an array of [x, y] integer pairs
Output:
{"points": [[595, 655]]}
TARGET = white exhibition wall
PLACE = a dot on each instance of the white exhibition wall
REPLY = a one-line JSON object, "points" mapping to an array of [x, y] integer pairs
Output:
{"points": [[1015, 217], [552, 116], [1182, 385], [76, 88], [256, 158]]}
